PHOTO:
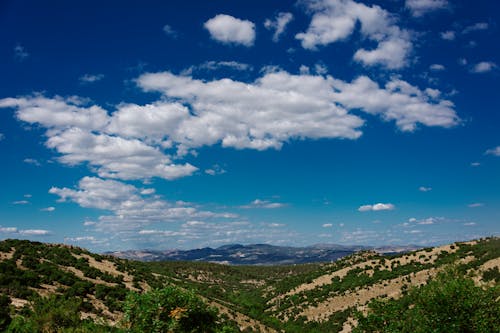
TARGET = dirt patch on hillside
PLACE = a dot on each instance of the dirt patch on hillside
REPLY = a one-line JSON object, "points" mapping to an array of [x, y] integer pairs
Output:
{"points": [[110, 268], [7, 255], [360, 297], [422, 256]]}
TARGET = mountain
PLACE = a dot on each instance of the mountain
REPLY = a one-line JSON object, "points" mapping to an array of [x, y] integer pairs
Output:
{"points": [[316, 297], [257, 254]]}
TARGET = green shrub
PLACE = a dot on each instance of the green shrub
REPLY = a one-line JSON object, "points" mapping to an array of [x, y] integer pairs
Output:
{"points": [[450, 303]]}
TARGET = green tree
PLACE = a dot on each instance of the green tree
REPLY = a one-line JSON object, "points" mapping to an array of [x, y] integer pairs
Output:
{"points": [[4, 312], [170, 309], [450, 303]]}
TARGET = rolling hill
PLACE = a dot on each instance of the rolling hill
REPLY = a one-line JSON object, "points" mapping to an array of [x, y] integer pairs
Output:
{"points": [[314, 297]]}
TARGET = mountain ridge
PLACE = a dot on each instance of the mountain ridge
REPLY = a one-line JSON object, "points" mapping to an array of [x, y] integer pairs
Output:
{"points": [[259, 254]]}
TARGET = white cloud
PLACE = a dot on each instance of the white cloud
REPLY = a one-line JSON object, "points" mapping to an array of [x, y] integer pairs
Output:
{"points": [[484, 67], [424, 189], [215, 170], [258, 203], [234, 65], [251, 115], [169, 31], [230, 30], [421, 7], [376, 207], [493, 151], [278, 24], [116, 157], [327, 225], [476, 27], [32, 161], [8, 230], [2, 136], [470, 224], [437, 67], [475, 205], [27, 195], [48, 209], [35, 232], [476, 164], [91, 78], [146, 141], [20, 53], [57, 112], [335, 20], [448, 35], [21, 202], [129, 207], [398, 100], [462, 61]]}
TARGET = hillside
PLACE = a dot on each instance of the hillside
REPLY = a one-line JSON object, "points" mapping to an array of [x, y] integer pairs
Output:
{"points": [[318, 297]]}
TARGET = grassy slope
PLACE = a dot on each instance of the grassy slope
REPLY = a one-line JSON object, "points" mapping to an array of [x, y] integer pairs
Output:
{"points": [[305, 298]]}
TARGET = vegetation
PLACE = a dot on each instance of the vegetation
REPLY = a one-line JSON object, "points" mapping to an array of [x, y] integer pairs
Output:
{"points": [[450, 303], [68, 289]]}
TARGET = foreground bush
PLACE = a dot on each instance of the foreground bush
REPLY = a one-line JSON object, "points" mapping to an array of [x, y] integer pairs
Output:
{"points": [[170, 309], [450, 303]]}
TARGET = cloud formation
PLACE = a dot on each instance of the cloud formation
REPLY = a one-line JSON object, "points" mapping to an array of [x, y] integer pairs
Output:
{"points": [[130, 207], [376, 207], [420, 7], [266, 204], [278, 24], [335, 20], [493, 151], [484, 67], [230, 30], [146, 141]]}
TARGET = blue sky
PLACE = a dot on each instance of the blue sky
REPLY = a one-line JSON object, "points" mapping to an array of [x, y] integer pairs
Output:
{"points": [[133, 124]]}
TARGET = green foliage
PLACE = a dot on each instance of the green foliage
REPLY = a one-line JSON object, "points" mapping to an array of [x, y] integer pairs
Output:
{"points": [[4, 312], [450, 303], [168, 310]]}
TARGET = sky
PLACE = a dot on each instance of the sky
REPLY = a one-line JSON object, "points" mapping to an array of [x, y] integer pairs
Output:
{"points": [[161, 125]]}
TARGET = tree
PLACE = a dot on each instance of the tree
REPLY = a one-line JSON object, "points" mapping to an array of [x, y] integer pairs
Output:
{"points": [[450, 303], [170, 309]]}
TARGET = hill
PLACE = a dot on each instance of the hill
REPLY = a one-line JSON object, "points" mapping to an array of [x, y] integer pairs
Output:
{"points": [[316, 297]]}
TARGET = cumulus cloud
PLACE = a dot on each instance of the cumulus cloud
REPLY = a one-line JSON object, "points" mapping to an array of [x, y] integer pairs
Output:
{"points": [[424, 189], [215, 170], [420, 7], [493, 151], [230, 30], [48, 209], [484, 67], [327, 225], [57, 112], [335, 20], [266, 204], [145, 141], [278, 24], [376, 207], [129, 207], [91, 78], [8, 230]]}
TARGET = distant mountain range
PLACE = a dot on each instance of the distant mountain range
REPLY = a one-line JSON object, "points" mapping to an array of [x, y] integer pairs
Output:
{"points": [[258, 254]]}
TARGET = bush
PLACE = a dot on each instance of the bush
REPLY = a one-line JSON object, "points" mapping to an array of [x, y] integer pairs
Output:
{"points": [[451, 303], [168, 310]]}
